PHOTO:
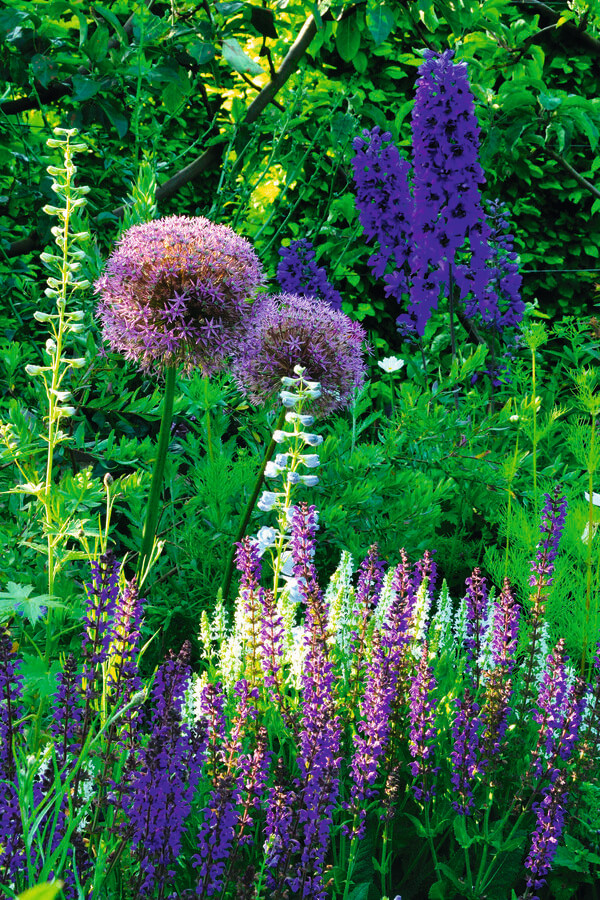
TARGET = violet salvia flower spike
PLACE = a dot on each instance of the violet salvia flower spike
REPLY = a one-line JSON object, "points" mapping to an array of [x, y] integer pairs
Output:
{"points": [[251, 607], [477, 601], [12, 850], [467, 761], [298, 273], [550, 820], [421, 742], [553, 518], [174, 293], [368, 590], [288, 331], [162, 787]]}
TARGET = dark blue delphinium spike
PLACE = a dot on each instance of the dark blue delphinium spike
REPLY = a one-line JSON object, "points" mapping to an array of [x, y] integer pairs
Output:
{"points": [[298, 273]]}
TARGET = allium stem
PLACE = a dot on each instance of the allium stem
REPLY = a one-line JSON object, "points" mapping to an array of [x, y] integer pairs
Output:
{"points": [[250, 506], [152, 512]]}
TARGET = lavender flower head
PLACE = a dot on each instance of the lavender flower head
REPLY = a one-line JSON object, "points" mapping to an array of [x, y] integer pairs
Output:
{"points": [[298, 273], [174, 291], [288, 330]]}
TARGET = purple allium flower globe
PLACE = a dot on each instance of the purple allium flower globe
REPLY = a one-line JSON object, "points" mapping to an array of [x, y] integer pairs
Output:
{"points": [[287, 330], [174, 292]]}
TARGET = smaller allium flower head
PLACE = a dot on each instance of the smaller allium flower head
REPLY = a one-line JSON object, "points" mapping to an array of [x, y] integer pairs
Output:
{"points": [[174, 292], [288, 330]]}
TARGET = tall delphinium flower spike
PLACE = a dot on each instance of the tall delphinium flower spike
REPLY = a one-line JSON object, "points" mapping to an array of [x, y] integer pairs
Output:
{"points": [[288, 331], [320, 729], [553, 518], [477, 601], [504, 307], [12, 848], [298, 273], [421, 741], [550, 820], [447, 176], [161, 789], [466, 758], [385, 205]]}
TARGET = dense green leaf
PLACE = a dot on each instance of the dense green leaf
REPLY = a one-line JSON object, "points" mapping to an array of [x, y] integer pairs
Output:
{"points": [[380, 20], [238, 59], [347, 38]]}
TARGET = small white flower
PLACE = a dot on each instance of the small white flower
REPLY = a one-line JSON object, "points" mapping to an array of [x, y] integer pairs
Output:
{"points": [[309, 480], [287, 564], [268, 501], [391, 364], [265, 538], [595, 498], [288, 399], [310, 460], [313, 440], [293, 478], [280, 436], [281, 460], [272, 470], [305, 421], [515, 418]]}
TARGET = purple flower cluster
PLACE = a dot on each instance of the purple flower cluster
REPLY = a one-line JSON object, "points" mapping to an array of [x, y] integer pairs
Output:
{"points": [[160, 791], [174, 292], [466, 752], [498, 683], [421, 714], [503, 307], [438, 236], [477, 603], [385, 205], [286, 331], [550, 821], [12, 849], [554, 515], [298, 273]]}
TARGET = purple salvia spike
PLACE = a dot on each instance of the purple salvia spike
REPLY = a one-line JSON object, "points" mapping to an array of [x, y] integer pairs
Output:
{"points": [[368, 590], [372, 737], [421, 742], [271, 647], [477, 601], [68, 714], [550, 820], [506, 626], [249, 565], [280, 831], [549, 713], [466, 753], [161, 790], [12, 850]]}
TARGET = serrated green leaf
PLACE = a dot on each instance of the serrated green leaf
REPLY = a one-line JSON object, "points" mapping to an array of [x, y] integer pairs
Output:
{"points": [[380, 21], [347, 38], [237, 59], [38, 677], [16, 599]]}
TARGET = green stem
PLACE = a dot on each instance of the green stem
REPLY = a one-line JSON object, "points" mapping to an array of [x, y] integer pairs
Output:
{"points": [[211, 454], [590, 538], [351, 862], [534, 401], [153, 510], [249, 507]]}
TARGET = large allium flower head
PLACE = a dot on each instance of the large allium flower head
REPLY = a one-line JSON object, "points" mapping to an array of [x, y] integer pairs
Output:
{"points": [[298, 273], [286, 331], [447, 175], [174, 292]]}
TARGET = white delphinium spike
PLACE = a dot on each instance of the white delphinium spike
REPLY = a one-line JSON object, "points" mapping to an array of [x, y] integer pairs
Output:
{"points": [[485, 661], [441, 626], [230, 661], [337, 591], [543, 649], [420, 616], [199, 682], [385, 598], [460, 623]]}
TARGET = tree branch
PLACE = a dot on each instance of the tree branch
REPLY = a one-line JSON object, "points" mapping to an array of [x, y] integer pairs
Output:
{"points": [[550, 14], [212, 155], [576, 175]]}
